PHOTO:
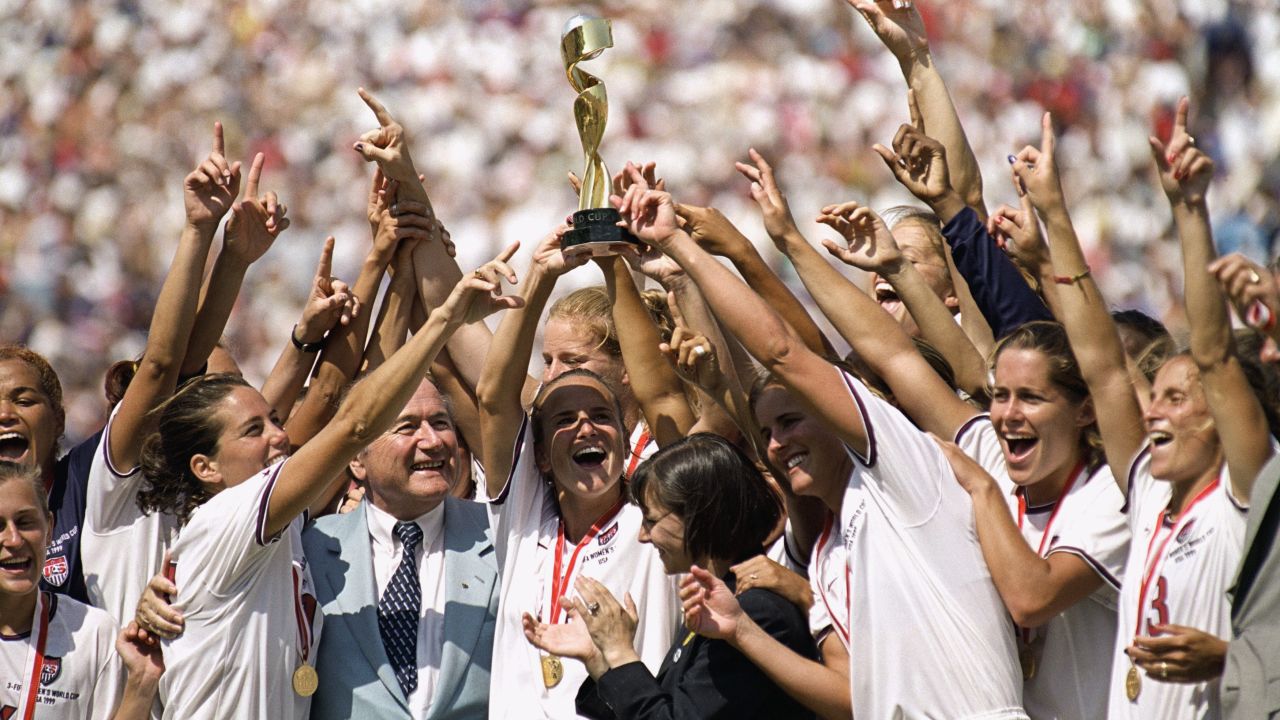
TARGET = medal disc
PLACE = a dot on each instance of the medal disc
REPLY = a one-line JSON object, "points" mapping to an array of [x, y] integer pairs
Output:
{"points": [[552, 670], [305, 680], [1132, 683]]}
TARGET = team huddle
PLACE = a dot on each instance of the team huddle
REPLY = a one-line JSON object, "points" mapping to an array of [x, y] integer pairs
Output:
{"points": [[1005, 501]]}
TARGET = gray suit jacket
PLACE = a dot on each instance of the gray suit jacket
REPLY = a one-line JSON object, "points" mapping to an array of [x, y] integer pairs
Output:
{"points": [[356, 680], [1251, 680]]}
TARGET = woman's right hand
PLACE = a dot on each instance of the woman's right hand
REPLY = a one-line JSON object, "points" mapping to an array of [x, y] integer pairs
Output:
{"points": [[710, 608], [156, 618], [479, 293], [549, 259]]}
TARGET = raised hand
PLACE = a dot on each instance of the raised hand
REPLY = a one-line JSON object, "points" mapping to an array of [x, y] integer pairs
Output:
{"points": [[479, 294], [255, 221], [209, 191], [1251, 288], [611, 624], [712, 230], [1184, 169], [549, 258], [622, 179], [649, 214], [386, 145], [1017, 232], [1037, 171], [692, 354], [710, 609], [869, 244], [897, 23], [329, 303], [918, 161], [142, 658], [764, 190]]}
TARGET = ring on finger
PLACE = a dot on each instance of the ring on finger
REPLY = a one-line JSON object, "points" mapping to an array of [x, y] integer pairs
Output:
{"points": [[1164, 669], [477, 273], [754, 576], [1254, 278], [699, 351], [593, 608], [1191, 140]]}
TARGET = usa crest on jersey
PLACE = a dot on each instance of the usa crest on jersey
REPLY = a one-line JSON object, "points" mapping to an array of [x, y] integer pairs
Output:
{"points": [[56, 570], [50, 670]]}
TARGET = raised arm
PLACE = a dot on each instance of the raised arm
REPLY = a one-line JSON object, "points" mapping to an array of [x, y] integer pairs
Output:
{"points": [[392, 326], [901, 29], [656, 385], [208, 192], [505, 367], [1083, 312], [373, 404], [874, 335], [1185, 172]]}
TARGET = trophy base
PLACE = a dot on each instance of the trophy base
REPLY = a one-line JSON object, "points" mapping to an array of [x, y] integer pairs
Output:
{"points": [[596, 232]]}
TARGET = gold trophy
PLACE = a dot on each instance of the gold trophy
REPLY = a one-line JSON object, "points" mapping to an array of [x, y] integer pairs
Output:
{"points": [[595, 224]]}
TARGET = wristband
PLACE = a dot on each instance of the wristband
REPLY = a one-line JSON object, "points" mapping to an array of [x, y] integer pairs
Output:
{"points": [[1072, 279], [304, 347]]}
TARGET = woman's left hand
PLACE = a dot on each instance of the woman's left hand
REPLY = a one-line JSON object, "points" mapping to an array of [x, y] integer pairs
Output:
{"points": [[612, 627], [1179, 655], [142, 659]]}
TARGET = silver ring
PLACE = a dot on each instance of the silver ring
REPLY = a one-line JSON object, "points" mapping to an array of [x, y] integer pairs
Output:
{"points": [[593, 609], [1191, 140], [1254, 278], [699, 351], [754, 576], [1164, 669]]}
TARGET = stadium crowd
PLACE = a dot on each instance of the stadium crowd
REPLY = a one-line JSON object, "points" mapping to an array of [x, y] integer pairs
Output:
{"points": [[1027, 471]]}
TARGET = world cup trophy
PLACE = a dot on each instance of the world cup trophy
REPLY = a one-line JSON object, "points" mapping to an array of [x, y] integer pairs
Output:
{"points": [[595, 224]]}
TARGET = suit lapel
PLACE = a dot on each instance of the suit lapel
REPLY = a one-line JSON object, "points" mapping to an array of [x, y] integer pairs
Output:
{"points": [[470, 582], [359, 598]]}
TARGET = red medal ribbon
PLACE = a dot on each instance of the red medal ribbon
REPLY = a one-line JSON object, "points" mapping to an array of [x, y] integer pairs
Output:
{"points": [[637, 451], [1057, 505], [558, 581], [304, 615], [1152, 561], [822, 541], [35, 657]]}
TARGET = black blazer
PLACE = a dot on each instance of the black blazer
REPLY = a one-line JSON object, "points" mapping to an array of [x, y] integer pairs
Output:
{"points": [[704, 678]]}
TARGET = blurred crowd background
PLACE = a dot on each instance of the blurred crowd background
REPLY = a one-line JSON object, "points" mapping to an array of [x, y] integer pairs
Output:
{"points": [[106, 105]]}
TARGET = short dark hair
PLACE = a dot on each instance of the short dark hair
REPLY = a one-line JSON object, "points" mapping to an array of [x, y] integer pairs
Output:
{"points": [[727, 507]]}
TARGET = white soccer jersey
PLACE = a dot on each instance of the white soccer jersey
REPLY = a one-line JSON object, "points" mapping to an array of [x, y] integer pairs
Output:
{"points": [[934, 637], [120, 549], [1072, 652], [1177, 573], [526, 530], [783, 552], [81, 676], [640, 447], [829, 578], [249, 606]]}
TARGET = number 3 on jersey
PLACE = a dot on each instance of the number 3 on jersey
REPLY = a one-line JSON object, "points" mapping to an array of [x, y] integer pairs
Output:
{"points": [[1159, 606]]}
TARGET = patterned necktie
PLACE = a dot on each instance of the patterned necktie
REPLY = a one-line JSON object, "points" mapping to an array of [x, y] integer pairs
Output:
{"points": [[399, 608]]}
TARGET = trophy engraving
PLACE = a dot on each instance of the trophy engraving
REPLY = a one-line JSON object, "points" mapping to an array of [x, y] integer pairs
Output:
{"points": [[595, 230]]}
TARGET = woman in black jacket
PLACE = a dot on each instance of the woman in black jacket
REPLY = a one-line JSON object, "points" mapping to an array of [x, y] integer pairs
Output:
{"points": [[704, 504]]}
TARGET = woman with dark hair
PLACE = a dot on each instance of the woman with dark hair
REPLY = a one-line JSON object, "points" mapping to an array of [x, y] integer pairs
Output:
{"points": [[705, 505]]}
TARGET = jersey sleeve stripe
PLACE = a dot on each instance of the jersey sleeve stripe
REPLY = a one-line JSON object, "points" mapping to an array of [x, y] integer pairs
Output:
{"points": [[1098, 567], [968, 424], [106, 451], [1133, 471], [870, 460], [501, 497], [260, 530]]}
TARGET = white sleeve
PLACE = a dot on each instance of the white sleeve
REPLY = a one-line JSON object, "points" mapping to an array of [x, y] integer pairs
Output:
{"points": [[906, 466], [819, 618], [520, 502], [111, 493], [1141, 483], [978, 439], [783, 552], [1097, 530], [226, 537], [108, 687]]}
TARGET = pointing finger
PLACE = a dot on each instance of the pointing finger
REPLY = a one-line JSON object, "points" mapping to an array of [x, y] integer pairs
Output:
{"points": [[380, 112], [255, 173], [218, 146], [1047, 140], [325, 268]]}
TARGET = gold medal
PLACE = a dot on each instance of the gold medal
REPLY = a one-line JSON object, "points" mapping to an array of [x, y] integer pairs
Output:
{"points": [[1132, 683], [552, 670], [1027, 659], [305, 680]]}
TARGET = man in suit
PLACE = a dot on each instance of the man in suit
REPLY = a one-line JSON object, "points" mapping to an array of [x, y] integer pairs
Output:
{"points": [[1251, 679], [407, 582]]}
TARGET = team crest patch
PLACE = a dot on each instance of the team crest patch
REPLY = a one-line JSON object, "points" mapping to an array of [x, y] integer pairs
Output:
{"points": [[1185, 532], [607, 535], [56, 570], [50, 670]]}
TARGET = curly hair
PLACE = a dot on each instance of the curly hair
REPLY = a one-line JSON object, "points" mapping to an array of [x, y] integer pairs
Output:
{"points": [[49, 385], [187, 426]]}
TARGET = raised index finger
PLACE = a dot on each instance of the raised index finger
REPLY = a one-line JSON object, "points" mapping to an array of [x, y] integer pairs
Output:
{"points": [[217, 139], [677, 317], [1180, 119], [380, 112], [325, 268], [1047, 140], [255, 173]]}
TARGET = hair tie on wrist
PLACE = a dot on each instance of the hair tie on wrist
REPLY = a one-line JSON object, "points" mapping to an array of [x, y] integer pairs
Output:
{"points": [[1072, 279], [304, 347]]}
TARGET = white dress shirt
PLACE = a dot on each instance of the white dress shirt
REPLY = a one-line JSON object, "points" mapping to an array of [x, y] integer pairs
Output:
{"points": [[387, 550]]}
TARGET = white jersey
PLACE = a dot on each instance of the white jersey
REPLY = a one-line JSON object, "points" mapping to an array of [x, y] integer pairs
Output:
{"points": [[829, 579], [526, 532], [1177, 573], [937, 637], [1072, 652], [640, 447], [120, 548], [81, 677], [250, 609], [783, 552]]}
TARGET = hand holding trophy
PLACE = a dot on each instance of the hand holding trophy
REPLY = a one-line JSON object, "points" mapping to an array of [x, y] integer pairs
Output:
{"points": [[595, 229]]}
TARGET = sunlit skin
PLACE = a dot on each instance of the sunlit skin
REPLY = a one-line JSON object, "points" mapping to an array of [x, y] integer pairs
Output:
{"points": [[251, 439], [920, 251], [583, 444], [663, 529], [570, 345], [813, 458], [24, 533], [1184, 440], [1038, 424], [412, 467], [28, 423]]}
